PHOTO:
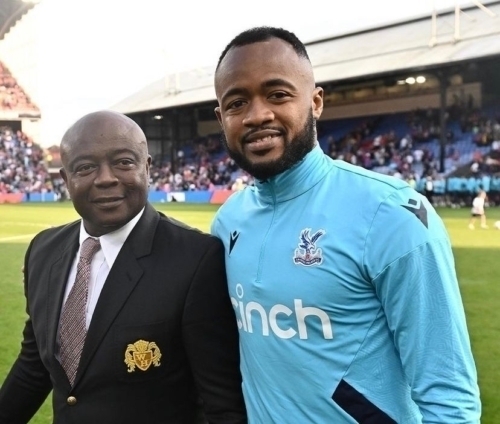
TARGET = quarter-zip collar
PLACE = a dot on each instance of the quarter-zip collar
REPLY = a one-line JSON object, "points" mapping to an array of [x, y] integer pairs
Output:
{"points": [[296, 180]]}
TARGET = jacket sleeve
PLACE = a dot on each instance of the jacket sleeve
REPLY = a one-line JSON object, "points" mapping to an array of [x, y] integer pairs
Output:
{"points": [[413, 273], [211, 340], [28, 383]]}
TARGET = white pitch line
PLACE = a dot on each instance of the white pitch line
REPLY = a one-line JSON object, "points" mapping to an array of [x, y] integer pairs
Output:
{"points": [[17, 237]]}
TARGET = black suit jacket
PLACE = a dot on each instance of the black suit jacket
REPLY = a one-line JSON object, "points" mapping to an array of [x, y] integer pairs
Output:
{"points": [[166, 290]]}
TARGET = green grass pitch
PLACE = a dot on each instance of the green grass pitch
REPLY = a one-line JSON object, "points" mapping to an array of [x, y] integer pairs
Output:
{"points": [[477, 256]]}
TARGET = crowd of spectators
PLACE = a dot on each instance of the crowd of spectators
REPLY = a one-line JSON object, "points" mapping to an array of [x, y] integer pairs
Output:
{"points": [[386, 152], [486, 131], [22, 165], [409, 156], [12, 96], [204, 165], [201, 165], [204, 175], [403, 151]]}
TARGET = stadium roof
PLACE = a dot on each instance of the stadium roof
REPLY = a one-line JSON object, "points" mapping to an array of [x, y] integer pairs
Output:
{"points": [[411, 45], [11, 11]]}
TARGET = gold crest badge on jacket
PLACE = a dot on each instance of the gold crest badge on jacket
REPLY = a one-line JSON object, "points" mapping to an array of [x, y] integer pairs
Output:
{"points": [[142, 354]]}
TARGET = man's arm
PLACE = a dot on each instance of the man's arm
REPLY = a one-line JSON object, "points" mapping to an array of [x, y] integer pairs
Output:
{"points": [[28, 383], [418, 289], [211, 340]]}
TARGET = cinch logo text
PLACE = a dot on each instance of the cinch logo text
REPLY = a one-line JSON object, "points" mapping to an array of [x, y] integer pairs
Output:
{"points": [[269, 320]]}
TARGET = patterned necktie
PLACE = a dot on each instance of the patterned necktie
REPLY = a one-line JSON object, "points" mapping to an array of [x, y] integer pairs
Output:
{"points": [[73, 329]]}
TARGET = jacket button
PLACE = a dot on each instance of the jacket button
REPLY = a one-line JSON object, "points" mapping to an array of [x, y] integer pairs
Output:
{"points": [[71, 401]]}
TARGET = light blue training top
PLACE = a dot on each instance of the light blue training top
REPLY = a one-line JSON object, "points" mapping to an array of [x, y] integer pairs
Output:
{"points": [[346, 297]]}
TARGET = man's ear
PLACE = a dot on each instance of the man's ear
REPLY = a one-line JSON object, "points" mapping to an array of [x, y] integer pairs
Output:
{"points": [[62, 173], [317, 102], [219, 116]]}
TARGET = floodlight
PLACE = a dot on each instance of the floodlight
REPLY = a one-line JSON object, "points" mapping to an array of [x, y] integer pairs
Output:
{"points": [[410, 80], [420, 79]]}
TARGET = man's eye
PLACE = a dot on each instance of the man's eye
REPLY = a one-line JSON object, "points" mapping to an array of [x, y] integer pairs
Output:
{"points": [[236, 104], [84, 168], [278, 95], [125, 162]]}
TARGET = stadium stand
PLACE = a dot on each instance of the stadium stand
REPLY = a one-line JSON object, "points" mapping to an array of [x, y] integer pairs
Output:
{"points": [[404, 145], [384, 110], [12, 96], [10, 12], [23, 168], [24, 174], [411, 99]]}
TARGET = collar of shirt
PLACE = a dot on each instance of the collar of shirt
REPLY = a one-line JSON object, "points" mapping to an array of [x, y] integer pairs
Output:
{"points": [[295, 181], [111, 243]]}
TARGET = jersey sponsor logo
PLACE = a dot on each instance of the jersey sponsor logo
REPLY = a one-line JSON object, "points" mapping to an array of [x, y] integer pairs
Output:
{"points": [[307, 253], [233, 238], [252, 317], [420, 212]]}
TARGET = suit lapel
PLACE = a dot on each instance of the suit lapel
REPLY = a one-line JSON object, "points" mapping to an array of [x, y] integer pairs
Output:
{"points": [[121, 281]]}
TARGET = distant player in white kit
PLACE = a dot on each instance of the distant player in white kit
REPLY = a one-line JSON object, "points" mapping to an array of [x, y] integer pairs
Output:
{"points": [[477, 210]]}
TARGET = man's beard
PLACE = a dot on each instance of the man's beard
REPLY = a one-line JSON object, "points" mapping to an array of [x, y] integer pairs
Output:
{"points": [[294, 151]]}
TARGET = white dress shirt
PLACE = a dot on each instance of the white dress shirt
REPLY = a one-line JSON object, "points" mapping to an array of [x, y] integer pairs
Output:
{"points": [[102, 262]]}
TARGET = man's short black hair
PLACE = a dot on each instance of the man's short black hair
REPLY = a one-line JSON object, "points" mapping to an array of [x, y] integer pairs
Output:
{"points": [[264, 33]]}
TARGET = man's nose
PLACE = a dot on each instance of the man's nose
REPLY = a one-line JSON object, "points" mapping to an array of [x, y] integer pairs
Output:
{"points": [[105, 175], [257, 113]]}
